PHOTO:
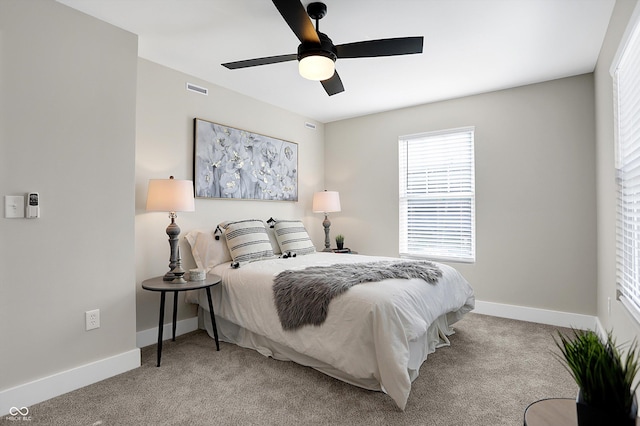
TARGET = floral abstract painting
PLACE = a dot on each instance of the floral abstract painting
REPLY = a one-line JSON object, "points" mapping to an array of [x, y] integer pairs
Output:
{"points": [[234, 163]]}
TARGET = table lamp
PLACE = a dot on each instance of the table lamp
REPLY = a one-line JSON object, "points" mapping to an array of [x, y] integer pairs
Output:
{"points": [[326, 202], [171, 195]]}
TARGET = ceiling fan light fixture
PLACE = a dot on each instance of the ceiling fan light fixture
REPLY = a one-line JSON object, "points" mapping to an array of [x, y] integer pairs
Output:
{"points": [[316, 67], [317, 54]]}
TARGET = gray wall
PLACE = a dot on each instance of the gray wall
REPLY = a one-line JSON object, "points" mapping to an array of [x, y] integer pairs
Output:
{"points": [[618, 318], [67, 93], [535, 188], [164, 146]]}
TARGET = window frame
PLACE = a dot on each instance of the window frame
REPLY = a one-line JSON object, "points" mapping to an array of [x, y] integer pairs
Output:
{"points": [[463, 199], [627, 244]]}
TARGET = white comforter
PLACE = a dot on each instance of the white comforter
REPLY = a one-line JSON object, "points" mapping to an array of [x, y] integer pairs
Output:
{"points": [[369, 329]]}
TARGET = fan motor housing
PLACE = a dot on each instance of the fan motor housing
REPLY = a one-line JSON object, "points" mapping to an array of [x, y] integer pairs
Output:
{"points": [[316, 10], [325, 48]]}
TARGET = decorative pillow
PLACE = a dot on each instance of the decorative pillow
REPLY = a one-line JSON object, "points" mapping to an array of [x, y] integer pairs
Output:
{"points": [[207, 251], [248, 240], [292, 236]]}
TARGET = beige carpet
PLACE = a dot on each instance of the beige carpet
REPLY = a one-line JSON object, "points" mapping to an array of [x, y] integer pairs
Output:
{"points": [[493, 370]]}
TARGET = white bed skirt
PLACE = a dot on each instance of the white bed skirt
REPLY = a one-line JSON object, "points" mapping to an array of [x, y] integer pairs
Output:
{"points": [[435, 337]]}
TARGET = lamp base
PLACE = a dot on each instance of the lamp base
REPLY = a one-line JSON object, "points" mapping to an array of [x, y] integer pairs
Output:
{"points": [[176, 275], [326, 223], [176, 272]]}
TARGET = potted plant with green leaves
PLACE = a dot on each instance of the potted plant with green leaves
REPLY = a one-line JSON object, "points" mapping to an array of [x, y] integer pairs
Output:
{"points": [[340, 241], [604, 376]]}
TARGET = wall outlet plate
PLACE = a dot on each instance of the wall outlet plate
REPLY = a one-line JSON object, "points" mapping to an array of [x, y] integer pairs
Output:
{"points": [[92, 319], [13, 206]]}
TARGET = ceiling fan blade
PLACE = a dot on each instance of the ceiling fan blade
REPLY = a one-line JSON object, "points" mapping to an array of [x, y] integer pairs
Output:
{"points": [[333, 85], [382, 47], [260, 61], [296, 16]]}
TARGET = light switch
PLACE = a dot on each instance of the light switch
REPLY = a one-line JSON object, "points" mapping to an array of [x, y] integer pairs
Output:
{"points": [[14, 206]]}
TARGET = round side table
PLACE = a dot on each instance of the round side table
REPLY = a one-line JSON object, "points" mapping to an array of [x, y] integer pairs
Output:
{"points": [[552, 412], [158, 284]]}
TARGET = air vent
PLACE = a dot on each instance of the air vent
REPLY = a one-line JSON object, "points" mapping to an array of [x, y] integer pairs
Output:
{"points": [[309, 125], [193, 88]]}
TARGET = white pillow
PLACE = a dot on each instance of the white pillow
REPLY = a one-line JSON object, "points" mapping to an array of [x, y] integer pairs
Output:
{"points": [[248, 240], [207, 251], [292, 236]]}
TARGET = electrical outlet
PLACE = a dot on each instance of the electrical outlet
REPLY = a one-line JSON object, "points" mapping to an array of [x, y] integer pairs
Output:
{"points": [[92, 319]]}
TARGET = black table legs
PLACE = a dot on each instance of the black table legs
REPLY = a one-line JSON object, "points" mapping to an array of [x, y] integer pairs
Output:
{"points": [[175, 314], [160, 326], [175, 317], [213, 319], [161, 322]]}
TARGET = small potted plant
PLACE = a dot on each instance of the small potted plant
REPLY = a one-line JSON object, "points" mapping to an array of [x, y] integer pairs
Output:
{"points": [[340, 241], [604, 376]]}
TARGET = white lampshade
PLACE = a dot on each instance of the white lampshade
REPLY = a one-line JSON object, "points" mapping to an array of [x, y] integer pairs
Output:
{"points": [[170, 195], [316, 67], [326, 202]]}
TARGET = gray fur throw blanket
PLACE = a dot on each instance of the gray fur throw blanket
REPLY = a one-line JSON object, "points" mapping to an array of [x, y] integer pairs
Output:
{"points": [[302, 296]]}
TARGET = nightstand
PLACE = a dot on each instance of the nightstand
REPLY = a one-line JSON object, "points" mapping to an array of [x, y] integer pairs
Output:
{"points": [[158, 284], [344, 250]]}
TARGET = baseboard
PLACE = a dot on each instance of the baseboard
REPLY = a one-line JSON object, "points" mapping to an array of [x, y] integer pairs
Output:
{"points": [[150, 336], [600, 330], [57, 384], [541, 316]]}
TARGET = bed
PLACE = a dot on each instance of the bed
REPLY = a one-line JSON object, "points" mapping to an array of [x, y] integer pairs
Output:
{"points": [[376, 335]]}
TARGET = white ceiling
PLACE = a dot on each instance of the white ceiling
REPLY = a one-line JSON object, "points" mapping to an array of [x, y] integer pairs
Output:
{"points": [[471, 46]]}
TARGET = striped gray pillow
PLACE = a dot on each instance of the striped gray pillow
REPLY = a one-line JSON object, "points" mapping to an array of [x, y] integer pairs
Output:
{"points": [[248, 240], [292, 236]]}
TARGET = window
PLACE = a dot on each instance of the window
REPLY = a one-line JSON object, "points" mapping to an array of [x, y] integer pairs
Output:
{"points": [[626, 85], [437, 195]]}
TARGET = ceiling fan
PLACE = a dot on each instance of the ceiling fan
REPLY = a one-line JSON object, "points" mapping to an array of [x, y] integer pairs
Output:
{"points": [[317, 53]]}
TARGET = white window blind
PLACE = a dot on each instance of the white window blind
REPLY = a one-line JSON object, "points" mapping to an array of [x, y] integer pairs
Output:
{"points": [[437, 195], [626, 76]]}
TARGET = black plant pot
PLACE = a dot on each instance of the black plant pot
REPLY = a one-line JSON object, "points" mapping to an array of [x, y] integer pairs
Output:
{"points": [[340, 245], [596, 416]]}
